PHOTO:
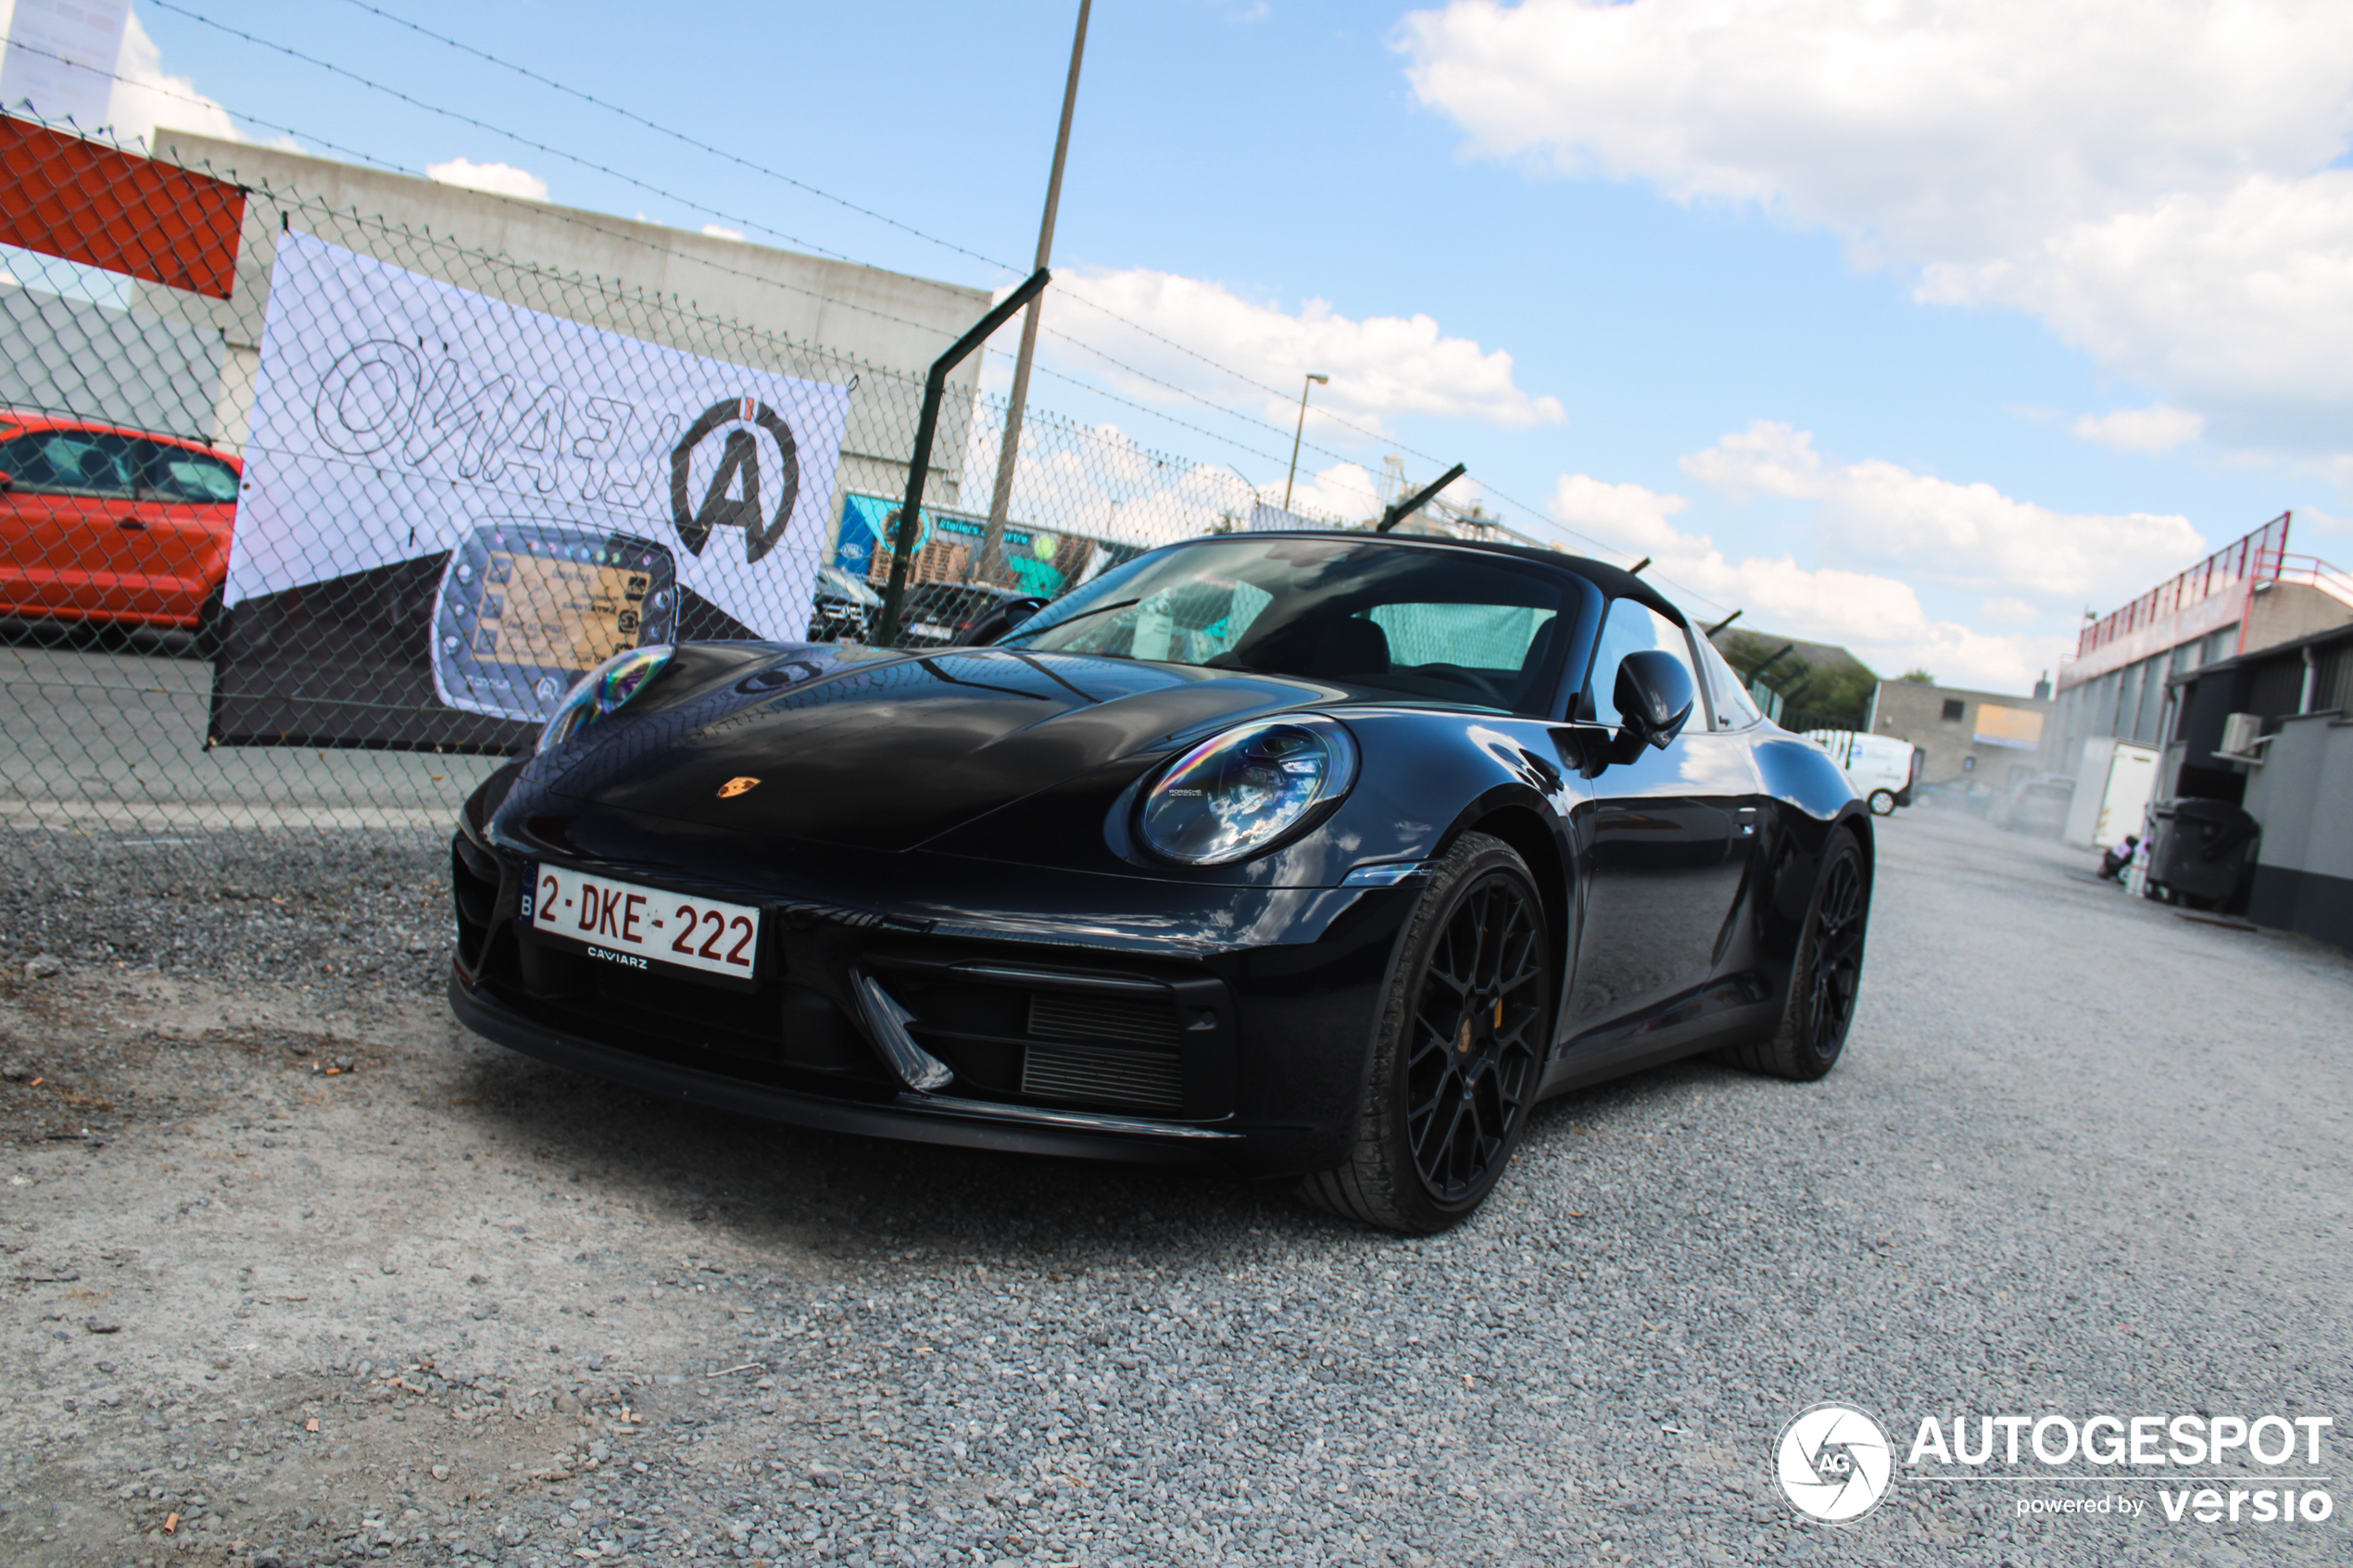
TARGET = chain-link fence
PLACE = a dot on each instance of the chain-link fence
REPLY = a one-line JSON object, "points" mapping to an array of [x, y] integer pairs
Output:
{"points": [[310, 516]]}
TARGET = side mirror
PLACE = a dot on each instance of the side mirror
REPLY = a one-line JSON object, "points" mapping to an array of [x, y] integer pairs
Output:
{"points": [[1653, 696], [998, 623], [7, 483]]}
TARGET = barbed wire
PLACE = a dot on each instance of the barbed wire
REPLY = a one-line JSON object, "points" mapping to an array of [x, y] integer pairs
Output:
{"points": [[514, 136], [683, 138], [1533, 514], [679, 136]]}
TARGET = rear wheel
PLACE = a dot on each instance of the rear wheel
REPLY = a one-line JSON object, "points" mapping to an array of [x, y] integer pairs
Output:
{"points": [[1883, 803], [210, 617], [1460, 1049], [1827, 974]]}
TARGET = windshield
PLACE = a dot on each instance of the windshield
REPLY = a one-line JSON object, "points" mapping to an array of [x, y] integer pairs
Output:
{"points": [[1420, 622], [849, 587]]}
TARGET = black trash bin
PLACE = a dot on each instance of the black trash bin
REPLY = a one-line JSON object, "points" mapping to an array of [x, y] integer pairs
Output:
{"points": [[2202, 853]]}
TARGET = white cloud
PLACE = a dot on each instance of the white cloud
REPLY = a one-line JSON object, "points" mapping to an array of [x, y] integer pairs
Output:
{"points": [[1889, 528], [146, 95], [716, 232], [1965, 535], [499, 178], [1616, 512], [2152, 183], [1380, 367], [1880, 618], [2155, 429], [1342, 492], [1099, 482]]}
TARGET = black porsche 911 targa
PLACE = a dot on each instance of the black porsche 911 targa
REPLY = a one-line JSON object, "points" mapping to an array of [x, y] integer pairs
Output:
{"points": [[1312, 855]]}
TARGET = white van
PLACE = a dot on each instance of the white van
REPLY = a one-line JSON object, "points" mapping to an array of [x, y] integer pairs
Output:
{"points": [[1884, 768]]}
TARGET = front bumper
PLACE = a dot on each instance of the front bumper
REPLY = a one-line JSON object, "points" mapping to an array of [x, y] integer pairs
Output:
{"points": [[909, 1117], [1074, 1014]]}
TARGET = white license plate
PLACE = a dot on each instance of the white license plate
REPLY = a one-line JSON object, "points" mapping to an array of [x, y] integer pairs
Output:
{"points": [[624, 924]]}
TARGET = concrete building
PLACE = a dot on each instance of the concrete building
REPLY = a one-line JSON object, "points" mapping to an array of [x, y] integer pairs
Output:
{"points": [[2273, 731], [2249, 596], [1977, 738], [703, 294]]}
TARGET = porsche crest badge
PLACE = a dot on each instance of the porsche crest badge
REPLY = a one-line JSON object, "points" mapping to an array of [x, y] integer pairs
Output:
{"points": [[736, 787]]}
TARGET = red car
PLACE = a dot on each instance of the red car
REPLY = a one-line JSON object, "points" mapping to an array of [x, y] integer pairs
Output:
{"points": [[100, 523]]}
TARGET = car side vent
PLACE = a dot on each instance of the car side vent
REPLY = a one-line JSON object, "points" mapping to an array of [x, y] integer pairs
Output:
{"points": [[1125, 1080], [1103, 1021]]}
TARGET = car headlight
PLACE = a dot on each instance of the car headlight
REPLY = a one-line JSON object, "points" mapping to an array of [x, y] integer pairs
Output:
{"points": [[1239, 792], [602, 690]]}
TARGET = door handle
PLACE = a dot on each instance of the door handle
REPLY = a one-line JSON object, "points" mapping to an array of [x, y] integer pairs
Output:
{"points": [[137, 523]]}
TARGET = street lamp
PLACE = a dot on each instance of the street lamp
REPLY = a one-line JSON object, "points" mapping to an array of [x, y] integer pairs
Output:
{"points": [[1312, 380]]}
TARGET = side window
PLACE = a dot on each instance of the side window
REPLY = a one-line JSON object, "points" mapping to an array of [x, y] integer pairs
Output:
{"points": [[1735, 709], [174, 473], [1630, 628], [72, 461], [21, 461]]}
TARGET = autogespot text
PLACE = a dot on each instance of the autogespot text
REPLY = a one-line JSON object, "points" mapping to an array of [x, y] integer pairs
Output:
{"points": [[2268, 1470]]}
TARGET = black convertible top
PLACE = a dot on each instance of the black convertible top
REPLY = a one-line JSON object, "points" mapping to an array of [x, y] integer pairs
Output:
{"points": [[1615, 581]]}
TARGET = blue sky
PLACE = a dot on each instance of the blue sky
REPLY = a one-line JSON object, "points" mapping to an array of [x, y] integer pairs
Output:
{"points": [[1819, 305]]}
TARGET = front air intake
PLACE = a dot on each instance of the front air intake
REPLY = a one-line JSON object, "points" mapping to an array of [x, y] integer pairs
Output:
{"points": [[1125, 1080], [1106, 1020]]}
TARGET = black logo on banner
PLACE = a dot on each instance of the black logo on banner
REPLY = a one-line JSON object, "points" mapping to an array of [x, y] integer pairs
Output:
{"points": [[732, 499]]}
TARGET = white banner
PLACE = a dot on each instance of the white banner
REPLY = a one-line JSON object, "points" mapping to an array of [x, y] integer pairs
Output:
{"points": [[584, 491]]}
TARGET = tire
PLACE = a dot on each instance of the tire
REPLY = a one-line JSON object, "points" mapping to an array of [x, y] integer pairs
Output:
{"points": [[210, 617], [1825, 975], [1459, 1052], [1883, 803]]}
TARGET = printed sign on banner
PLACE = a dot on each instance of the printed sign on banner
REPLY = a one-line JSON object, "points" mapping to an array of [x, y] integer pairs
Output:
{"points": [[453, 508]]}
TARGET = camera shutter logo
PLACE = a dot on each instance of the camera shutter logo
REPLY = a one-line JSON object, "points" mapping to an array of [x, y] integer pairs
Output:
{"points": [[1833, 1463], [732, 499]]}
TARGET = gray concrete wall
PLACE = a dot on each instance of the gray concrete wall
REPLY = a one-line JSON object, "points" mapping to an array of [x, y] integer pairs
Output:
{"points": [[2303, 795], [71, 356], [2285, 611], [1911, 711], [727, 299]]}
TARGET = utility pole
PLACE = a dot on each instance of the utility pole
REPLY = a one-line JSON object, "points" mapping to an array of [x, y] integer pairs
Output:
{"points": [[992, 549], [1312, 379]]}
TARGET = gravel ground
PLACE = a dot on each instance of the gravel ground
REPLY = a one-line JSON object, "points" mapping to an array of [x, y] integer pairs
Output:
{"points": [[302, 1273]]}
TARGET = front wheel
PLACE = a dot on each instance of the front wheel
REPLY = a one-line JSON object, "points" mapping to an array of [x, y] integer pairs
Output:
{"points": [[1827, 974], [1883, 803], [1459, 1052]]}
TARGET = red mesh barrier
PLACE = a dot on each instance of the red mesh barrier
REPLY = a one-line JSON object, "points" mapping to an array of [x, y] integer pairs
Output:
{"points": [[87, 202]]}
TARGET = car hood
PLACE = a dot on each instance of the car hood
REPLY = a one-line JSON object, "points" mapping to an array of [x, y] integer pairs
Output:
{"points": [[886, 752]]}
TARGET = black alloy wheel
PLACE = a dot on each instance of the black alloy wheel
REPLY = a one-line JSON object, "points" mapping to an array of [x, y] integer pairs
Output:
{"points": [[1472, 1059], [1826, 975], [1833, 975], [1461, 1048]]}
